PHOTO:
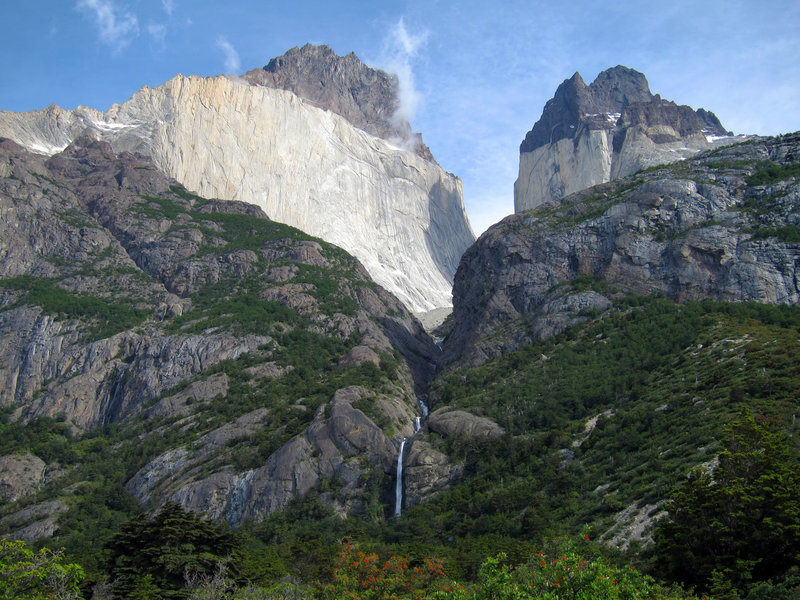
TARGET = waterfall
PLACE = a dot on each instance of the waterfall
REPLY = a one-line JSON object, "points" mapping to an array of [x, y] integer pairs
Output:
{"points": [[398, 490], [417, 424], [423, 407]]}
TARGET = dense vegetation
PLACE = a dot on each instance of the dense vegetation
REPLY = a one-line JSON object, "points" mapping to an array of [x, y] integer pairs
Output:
{"points": [[602, 426], [105, 318], [609, 416]]}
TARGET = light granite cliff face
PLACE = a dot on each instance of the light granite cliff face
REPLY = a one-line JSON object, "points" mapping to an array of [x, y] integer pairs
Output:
{"points": [[722, 225], [401, 215], [606, 130]]}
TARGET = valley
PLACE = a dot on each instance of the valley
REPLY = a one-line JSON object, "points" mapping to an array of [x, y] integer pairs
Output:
{"points": [[201, 398]]}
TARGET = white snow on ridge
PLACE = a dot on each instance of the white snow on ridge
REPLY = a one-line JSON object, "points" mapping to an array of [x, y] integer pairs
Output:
{"points": [[610, 117], [106, 126], [47, 150]]}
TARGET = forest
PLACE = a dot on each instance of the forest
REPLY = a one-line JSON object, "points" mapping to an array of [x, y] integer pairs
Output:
{"points": [[672, 385]]}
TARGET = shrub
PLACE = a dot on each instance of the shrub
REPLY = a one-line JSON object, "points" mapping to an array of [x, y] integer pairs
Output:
{"points": [[36, 575]]}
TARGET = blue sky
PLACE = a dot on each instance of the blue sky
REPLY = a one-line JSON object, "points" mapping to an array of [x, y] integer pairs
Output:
{"points": [[476, 74]]}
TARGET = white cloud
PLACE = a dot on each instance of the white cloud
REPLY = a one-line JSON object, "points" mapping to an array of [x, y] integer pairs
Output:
{"points": [[158, 32], [117, 28], [232, 63], [408, 43], [169, 6], [400, 48]]}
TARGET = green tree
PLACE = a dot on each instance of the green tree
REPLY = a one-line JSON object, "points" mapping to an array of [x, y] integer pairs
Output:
{"points": [[160, 554], [36, 575], [742, 522]]}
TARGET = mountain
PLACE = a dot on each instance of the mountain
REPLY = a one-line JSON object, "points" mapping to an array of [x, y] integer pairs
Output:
{"points": [[161, 350], [720, 226], [613, 334], [207, 354], [613, 127], [312, 159]]}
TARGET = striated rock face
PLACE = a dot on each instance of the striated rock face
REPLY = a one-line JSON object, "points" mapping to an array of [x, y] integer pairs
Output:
{"points": [[341, 442], [401, 215], [606, 130], [722, 225]]}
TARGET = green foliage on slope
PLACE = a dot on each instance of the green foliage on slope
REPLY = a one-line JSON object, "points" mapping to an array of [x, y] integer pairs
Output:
{"points": [[26, 574], [105, 317], [609, 416], [163, 552], [740, 522]]}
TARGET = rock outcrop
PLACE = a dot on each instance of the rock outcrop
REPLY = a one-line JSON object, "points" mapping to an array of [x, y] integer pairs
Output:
{"points": [[400, 214], [341, 443], [20, 475], [606, 130], [722, 225]]}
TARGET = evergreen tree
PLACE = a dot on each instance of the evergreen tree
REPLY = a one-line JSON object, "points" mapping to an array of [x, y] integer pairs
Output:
{"points": [[161, 553], [741, 523]]}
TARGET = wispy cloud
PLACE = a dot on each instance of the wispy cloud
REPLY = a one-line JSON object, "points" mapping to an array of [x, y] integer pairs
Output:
{"points": [[232, 63], [169, 6], [158, 31], [117, 28], [401, 47]]}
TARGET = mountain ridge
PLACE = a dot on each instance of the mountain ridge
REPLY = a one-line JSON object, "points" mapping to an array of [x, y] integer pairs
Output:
{"points": [[701, 228], [303, 165], [199, 325]]}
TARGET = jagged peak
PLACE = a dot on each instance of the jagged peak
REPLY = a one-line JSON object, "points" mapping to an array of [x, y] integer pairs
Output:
{"points": [[367, 97], [312, 52], [576, 106], [618, 87]]}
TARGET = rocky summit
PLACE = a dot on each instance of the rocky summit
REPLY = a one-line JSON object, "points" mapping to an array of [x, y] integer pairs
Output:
{"points": [[368, 98], [613, 127], [315, 140]]}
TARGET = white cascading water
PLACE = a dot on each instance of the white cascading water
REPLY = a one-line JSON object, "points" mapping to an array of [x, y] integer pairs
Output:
{"points": [[398, 490], [423, 407], [417, 424]]}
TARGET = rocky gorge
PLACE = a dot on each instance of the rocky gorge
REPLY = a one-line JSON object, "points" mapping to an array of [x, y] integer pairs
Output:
{"points": [[127, 299]]}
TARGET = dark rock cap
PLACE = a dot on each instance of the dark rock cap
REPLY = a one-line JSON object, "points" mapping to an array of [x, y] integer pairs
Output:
{"points": [[367, 97], [618, 97]]}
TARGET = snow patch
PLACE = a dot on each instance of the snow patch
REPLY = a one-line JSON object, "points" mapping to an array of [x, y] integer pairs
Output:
{"points": [[46, 149], [106, 126], [610, 117]]}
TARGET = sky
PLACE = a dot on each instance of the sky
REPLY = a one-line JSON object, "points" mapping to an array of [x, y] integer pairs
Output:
{"points": [[474, 75]]}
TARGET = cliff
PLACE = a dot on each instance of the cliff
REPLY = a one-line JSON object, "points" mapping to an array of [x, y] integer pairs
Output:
{"points": [[368, 98], [722, 225], [609, 129], [400, 214]]}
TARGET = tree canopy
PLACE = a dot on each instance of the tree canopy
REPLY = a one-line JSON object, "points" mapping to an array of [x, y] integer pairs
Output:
{"points": [[159, 554], [741, 522]]}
